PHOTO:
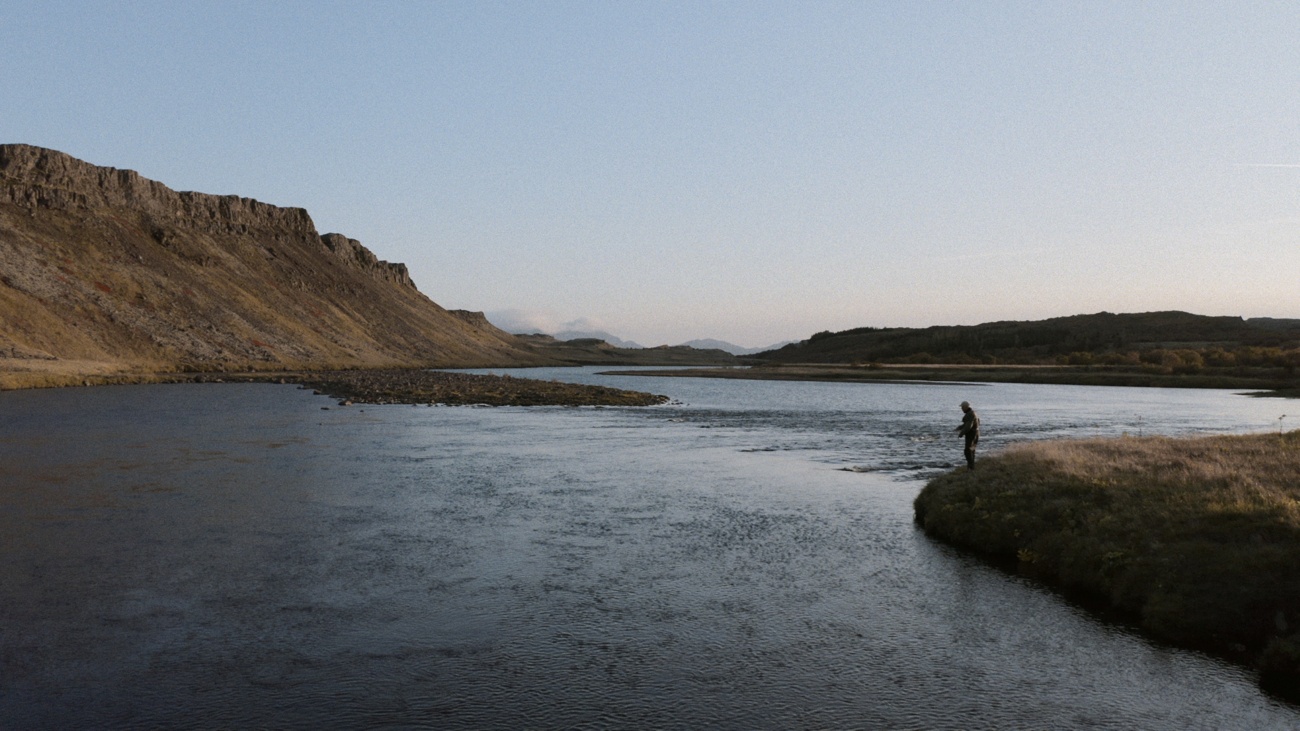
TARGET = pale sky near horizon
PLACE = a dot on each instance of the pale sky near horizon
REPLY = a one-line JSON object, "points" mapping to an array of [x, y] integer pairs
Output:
{"points": [[750, 171]]}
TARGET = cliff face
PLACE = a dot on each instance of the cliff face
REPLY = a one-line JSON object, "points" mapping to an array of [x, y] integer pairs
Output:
{"points": [[102, 271]]}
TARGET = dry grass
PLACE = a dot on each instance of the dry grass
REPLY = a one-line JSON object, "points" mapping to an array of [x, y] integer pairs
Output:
{"points": [[51, 373], [1198, 538], [1222, 474]]}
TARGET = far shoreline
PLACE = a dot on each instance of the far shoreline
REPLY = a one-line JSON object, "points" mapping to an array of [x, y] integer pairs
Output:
{"points": [[77, 374], [1250, 385]]}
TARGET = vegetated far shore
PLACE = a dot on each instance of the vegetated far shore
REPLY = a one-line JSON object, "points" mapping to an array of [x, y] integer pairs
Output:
{"points": [[1261, 381], [1198, 539]]}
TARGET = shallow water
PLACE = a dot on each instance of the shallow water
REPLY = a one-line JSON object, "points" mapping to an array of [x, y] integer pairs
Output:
{"points": [[198, 556]]}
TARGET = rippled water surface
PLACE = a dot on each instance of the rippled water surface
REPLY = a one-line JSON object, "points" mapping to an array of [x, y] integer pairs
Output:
{"points": [[224, 556]]}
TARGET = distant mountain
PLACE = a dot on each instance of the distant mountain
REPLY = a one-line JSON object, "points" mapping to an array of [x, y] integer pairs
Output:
{"points": [[595, 335], [596, 351], [712, 344]]}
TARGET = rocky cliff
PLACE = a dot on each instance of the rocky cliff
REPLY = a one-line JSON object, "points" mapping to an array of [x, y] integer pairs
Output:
{"points": [[104, 271]]}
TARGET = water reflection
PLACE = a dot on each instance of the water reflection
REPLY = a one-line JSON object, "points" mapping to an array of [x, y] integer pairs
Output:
{"points": [[220, 556]]}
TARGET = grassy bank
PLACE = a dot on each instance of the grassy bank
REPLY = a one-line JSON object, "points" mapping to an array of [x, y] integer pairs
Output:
{"points": [[1197, 539]]}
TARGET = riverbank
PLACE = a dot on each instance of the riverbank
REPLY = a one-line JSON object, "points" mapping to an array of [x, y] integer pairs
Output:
{"points": [[390, 386], [1262, 382], [1197, 539]]}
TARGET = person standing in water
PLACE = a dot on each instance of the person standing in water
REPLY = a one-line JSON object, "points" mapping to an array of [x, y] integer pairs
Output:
{"points": [[970, 428]]}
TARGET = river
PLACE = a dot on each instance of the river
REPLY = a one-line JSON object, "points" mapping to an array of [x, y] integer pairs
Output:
{"points": [[226, 555]]}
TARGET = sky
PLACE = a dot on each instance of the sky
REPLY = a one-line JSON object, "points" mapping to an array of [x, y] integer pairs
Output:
{"points": [[750, 171]]}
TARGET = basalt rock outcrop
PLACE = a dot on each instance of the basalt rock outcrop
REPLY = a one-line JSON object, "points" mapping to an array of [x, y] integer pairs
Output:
{"points": [[105, 271]]}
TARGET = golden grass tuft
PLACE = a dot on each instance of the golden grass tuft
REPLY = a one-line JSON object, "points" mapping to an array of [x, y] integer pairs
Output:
{"points": [[1199, 538]]}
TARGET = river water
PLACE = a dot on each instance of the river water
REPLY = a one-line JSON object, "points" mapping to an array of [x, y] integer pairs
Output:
{"points": [[227, 556]]}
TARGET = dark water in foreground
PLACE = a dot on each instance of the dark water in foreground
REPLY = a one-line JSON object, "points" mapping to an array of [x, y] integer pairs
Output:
{"points": [[224, 556]]}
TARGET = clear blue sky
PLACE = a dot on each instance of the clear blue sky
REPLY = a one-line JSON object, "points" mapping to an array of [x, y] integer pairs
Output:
{"points": [[751, 171]]}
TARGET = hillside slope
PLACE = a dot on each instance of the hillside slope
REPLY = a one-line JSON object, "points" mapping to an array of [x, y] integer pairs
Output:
{"points": [[1127, 337], [104, 271]]}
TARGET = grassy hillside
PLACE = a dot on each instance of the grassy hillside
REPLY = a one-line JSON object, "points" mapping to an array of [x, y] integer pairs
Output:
{"points": [[104, 272], [1177, 341]]}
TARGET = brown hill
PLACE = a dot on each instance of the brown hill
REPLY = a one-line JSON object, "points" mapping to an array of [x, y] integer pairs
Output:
{"points": [[103, 271]]}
